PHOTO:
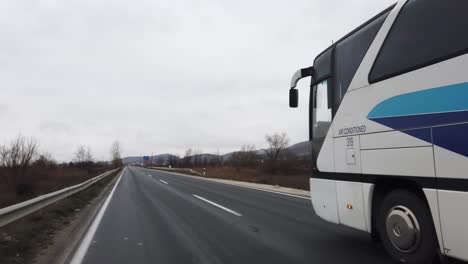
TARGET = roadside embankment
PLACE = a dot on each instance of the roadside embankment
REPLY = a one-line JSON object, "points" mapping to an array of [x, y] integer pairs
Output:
{"points": [[46, 236]]}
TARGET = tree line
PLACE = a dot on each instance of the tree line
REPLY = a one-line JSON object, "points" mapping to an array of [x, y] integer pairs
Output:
{"points": [[274, 158], [22, 160]]}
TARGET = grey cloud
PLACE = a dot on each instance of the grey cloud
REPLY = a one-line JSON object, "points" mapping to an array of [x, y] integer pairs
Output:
{"points": [[3, 109], [54, 127], [161, 76]]}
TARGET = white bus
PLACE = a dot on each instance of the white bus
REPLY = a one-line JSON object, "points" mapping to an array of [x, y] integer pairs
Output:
{"points": [[389, 129]]}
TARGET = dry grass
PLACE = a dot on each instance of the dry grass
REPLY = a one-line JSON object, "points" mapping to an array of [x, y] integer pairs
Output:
{"points": [[300, 181], [38, 181], [22, 240]]}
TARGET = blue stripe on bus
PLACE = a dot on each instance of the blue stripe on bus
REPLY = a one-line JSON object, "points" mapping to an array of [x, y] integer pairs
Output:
{"points": [[423, 120], [453, 138], [442, 109], [436, 100], [423, 134]]}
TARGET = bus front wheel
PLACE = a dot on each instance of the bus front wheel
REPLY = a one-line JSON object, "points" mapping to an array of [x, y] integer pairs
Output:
{"points": [[406, 228]]}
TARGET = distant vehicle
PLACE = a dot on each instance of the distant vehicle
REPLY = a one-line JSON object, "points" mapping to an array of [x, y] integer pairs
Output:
{"points": [[389, 129], [147, 161]]}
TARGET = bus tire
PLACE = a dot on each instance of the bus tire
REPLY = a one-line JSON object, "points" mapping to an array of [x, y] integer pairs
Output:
{"points": [[406, 228]]}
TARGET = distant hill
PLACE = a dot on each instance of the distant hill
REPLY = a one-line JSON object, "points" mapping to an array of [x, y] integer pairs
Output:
{"points": [[131, 160], [206, 156], [300, 149], [162, 158], [227, 156]]}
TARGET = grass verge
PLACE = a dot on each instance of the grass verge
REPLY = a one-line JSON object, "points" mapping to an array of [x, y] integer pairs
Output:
{"points": [[22, 240]]}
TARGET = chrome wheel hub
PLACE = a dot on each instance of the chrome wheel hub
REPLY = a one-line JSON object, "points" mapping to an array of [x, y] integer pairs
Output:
{"points": [[403, 229]]}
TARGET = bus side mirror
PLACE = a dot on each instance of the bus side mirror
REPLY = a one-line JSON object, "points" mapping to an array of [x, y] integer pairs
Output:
{"points": [[293, 98]]}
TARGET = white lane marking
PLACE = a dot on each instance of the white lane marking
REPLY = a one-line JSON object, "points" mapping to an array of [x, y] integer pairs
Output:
{"points": [[265, 190], [83, 248], [165, 182], [242, 186], [217, 205]]}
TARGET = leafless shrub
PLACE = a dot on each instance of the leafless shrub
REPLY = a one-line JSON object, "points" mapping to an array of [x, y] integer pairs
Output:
{"points": [[19, 152], [197, 158], [83, 156], [4, 156], [187, 159], [246, 157], [288, 162], [217, 160], [15, 158], [44, 161], [276, 144]]}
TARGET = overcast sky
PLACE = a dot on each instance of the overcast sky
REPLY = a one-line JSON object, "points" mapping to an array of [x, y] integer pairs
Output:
{"points": [[161, 76]]}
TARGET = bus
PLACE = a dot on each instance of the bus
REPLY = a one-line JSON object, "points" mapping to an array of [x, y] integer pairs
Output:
{"points": [[388, 122]]}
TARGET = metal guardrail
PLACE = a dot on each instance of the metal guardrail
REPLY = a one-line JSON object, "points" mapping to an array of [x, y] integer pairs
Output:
{"points": [[17, 211]]}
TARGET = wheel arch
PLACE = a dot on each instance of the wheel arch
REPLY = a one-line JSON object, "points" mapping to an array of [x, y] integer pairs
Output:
{"points": [[384, 186]]}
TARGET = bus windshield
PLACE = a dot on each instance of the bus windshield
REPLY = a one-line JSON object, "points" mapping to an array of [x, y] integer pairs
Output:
{"points": [[321, 116]]}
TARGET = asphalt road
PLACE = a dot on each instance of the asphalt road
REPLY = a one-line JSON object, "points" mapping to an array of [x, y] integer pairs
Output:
{"points": [[158, 217]]}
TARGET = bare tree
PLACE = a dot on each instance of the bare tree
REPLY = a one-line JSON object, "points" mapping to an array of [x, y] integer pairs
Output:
{"points": [[29, 148], [19, 153], [17, 156], [80, 154], [187, 160], [45, 160], [246, 157], [83, 155], [89, 155], [14, 150], [249, 155], [217, 160], [197, 159], [4, 156], [276, 143], [115, 154]]}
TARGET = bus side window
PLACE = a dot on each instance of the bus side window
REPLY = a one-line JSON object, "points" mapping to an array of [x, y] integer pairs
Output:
{"points": [[420, 37], [349, 54]]}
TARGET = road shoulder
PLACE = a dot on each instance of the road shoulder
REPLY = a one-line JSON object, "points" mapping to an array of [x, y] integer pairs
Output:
{"points": [[71, 237]]}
